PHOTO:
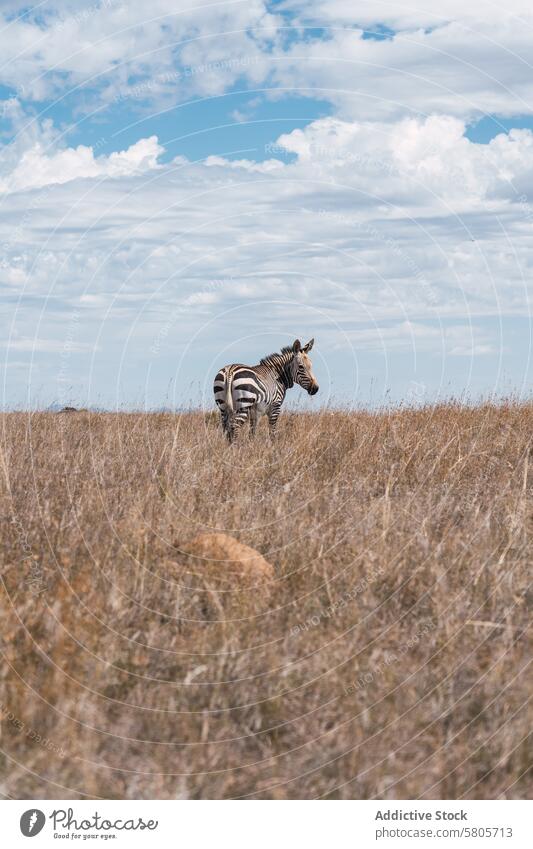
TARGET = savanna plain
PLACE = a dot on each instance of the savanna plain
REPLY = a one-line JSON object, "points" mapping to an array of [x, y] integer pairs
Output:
{"points": [[379, 650]]}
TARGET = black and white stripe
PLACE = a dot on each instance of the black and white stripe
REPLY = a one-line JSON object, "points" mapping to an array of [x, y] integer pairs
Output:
{"points": [[244, 393]]}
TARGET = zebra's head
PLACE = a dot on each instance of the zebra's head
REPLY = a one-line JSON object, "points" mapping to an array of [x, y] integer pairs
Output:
{"points": [[302, 368]]}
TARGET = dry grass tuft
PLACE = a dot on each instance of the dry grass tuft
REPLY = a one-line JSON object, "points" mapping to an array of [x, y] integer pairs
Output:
{"points": [[387, 658], [226, 560]]}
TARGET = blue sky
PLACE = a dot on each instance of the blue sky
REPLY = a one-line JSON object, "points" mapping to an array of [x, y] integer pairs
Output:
{"points": [[206, 182]]}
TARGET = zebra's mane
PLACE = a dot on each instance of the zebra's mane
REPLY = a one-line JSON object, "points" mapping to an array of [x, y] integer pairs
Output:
{"points": [[278, 358]]}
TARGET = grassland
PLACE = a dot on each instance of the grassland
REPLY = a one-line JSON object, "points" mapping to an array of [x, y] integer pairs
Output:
{"points": [[387, 659]]}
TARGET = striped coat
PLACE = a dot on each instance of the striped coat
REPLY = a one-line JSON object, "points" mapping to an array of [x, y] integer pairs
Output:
{"points": [[244, 393]]}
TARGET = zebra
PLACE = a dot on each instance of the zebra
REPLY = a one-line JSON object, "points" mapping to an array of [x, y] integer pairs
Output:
{"points": [[245, 393]]}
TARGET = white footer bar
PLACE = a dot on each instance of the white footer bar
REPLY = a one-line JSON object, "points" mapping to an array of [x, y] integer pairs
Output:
{"points": [[267, 824]]}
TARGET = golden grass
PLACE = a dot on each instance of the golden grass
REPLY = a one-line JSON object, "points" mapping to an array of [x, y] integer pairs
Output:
{"points": [[388, 659]]}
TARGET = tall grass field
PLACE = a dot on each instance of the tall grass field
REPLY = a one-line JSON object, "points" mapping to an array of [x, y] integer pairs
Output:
{"points": [[384, 656]]}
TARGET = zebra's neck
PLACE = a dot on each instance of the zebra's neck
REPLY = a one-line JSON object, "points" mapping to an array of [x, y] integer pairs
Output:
{"points": [[280, 366]]}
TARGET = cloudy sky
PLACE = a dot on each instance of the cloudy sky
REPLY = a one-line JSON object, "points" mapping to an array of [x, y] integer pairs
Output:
{"points": [[185, 184]]}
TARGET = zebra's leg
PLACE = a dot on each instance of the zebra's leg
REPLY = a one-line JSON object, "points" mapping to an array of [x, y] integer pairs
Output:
{"points": [[226, 425], [224, 418], [273, 414], [254, 418], [238, 420]]}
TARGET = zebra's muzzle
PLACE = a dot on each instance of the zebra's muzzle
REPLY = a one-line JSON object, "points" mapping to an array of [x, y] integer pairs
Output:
{"points": [[313, 389]]}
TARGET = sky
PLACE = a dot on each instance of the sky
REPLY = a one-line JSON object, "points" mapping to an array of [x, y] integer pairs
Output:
{"points": [[189, 184]]}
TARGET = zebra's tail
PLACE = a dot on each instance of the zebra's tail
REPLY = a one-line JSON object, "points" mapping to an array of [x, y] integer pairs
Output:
{"points": [[228, 397]]}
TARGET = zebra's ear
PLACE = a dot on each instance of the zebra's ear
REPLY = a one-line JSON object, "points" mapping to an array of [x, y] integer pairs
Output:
{"points": [[296, 346], [309, 345]]}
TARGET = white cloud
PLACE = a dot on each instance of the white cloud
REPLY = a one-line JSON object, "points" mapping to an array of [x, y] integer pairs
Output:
{"points": [[264, 167], [416, 158], [371, 219], [450, 69], [459, 59], [39, 345], [411, 15], [121, 47], [458, 340], [37, 168]]}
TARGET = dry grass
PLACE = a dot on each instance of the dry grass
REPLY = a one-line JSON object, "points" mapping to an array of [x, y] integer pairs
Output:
{"points": [[373, 667]]}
